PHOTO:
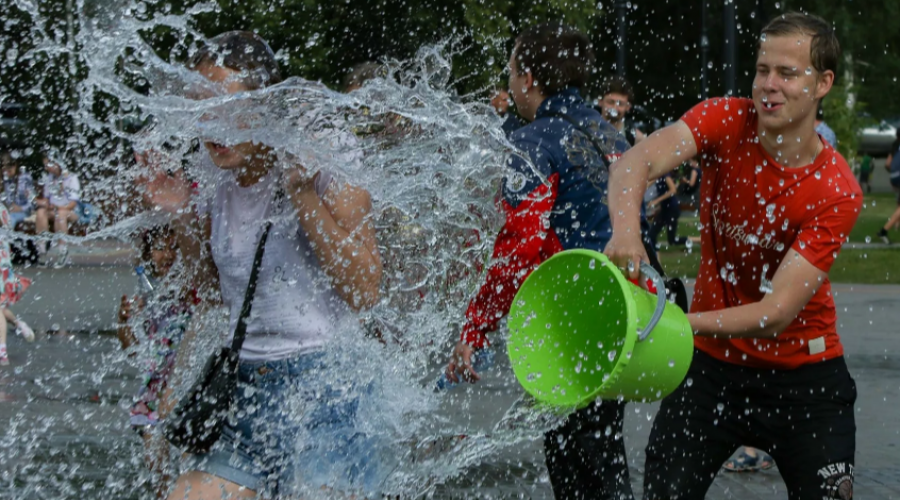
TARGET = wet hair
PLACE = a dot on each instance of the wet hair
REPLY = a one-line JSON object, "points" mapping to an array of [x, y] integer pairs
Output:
{"points": [[363, 72], [558, 56], [150, 237], [824, 51], [240, 51], [616, 85]]}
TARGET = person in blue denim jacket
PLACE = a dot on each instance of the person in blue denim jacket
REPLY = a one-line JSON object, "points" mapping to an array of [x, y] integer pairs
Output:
{"points": [[554, 199]]}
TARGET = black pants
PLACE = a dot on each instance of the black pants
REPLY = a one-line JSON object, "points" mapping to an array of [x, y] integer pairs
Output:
{"points": [[586, 455], [667, 219], [803, 418]]}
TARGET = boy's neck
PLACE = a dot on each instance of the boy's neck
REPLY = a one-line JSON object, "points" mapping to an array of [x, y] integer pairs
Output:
{"points": [[787, 150]]}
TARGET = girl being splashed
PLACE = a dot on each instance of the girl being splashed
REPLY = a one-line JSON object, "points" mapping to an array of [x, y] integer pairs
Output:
{"points": [[320, 263]]}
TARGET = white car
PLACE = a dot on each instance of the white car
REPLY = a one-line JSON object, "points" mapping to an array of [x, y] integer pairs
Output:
{"points": [[876, 140]]}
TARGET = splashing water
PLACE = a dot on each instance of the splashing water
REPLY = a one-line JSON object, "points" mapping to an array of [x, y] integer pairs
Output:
{"points": [[432, 178]]}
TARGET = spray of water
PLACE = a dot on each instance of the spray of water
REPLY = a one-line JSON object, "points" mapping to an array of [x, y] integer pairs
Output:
{"points": [[431, 160]]}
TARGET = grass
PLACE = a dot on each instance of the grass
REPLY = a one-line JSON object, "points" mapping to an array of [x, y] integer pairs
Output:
{"points": [[865, 266], [878, 266], [875, 212]]}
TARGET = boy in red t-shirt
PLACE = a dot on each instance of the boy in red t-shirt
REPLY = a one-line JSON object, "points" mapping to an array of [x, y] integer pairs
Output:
{"points": [[777, 202]]}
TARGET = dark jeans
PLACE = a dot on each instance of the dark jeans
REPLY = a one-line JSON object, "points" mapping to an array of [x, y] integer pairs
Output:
{"points": [[667, 219], [802, 417], [586, 455]]}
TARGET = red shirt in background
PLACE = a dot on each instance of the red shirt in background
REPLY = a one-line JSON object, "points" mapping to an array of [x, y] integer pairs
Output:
{"points": [[752, 212]]}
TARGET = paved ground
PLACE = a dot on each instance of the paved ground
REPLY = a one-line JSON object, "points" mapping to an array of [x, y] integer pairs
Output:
{"points": [[60, 375]]}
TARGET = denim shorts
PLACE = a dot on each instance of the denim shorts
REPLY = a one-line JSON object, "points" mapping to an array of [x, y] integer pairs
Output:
{"points": [[294, 426], [15, 218]]}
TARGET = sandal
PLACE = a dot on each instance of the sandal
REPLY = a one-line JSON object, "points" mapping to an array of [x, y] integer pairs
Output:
{"points": [[746, 463]]}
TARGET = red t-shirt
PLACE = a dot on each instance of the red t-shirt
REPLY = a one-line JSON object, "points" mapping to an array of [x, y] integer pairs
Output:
{"points": [[752, 212]]}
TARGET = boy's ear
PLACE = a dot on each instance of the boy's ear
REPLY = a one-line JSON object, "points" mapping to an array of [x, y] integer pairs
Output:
{"points": [[824, 84]]}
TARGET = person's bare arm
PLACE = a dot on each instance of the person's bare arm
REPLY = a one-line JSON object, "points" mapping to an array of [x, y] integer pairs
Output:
{"points": [[793, 286], [658, 154], [124, 332], [639, 136], [340, 230]]}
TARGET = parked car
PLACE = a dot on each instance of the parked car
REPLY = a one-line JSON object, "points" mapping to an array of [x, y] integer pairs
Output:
{"points": [[876, 139]]}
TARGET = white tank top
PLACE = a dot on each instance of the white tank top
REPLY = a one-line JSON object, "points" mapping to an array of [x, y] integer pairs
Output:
{"points": [[295, 307]]}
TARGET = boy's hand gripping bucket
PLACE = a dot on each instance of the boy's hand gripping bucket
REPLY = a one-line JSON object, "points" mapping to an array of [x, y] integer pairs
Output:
{"points": [[580, 331]]}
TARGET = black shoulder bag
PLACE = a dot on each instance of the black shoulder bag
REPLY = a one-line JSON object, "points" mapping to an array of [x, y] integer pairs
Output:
{"points": [[196, 422], [675, 288]]}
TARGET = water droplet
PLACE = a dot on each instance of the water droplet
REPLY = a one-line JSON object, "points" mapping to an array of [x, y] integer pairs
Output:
{"points": [[779, 139], [612, 355]]}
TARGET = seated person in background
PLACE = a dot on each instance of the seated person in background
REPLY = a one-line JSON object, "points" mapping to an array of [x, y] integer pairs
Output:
{"points": [[18, 190], [62, 192]]}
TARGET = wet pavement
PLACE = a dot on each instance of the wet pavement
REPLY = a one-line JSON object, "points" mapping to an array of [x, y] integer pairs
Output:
{"points": [[63, 400]]}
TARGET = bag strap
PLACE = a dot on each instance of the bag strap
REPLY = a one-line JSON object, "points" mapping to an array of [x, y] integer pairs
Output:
{"points": [[591, 137], [240, 332]]}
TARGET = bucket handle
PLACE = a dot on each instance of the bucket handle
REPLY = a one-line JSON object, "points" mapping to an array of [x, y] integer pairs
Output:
{"points": [[648, 271]]}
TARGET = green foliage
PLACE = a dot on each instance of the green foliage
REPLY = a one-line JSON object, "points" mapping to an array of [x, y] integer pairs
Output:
{"points": [[324, 40], [868, 33], [842, 115]]}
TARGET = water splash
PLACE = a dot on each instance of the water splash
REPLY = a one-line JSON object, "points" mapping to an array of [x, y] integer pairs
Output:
{"points": [[433, 178]]}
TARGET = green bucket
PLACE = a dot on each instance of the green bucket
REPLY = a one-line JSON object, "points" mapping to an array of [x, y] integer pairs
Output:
{"points": [[580, 331]]}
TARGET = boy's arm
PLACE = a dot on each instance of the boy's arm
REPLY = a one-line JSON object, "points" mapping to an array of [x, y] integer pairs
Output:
{"points": [[803, 270], [793, 286], [658, 154], [529, 194]]}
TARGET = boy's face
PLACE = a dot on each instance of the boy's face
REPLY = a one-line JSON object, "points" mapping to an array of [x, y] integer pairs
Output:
{"points": [[615, 106], [523, 90], [787, 87]]}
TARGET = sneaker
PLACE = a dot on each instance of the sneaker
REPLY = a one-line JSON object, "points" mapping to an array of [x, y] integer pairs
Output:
{"points": [[62, 258], [884, 237], [25, 331]]}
